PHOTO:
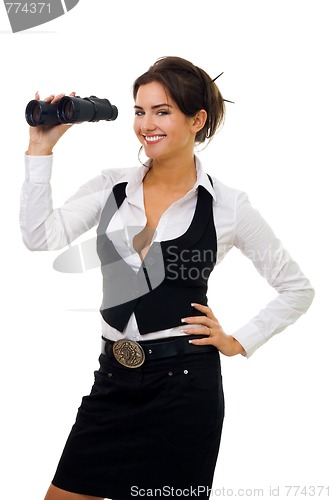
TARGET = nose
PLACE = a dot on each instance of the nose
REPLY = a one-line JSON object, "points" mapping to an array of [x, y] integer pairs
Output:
{"points": [[147, 123]]}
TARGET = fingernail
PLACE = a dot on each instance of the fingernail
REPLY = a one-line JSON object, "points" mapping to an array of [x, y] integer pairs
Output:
{"points": [[183, 320], [190, 342], [193, 304]]}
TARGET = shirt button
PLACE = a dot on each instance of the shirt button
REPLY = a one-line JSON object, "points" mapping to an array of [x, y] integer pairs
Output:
{"points": [[170, 374], [186, 372]]}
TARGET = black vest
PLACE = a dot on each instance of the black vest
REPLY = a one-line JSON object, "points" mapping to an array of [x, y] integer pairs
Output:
{"points": [[173, 274]]}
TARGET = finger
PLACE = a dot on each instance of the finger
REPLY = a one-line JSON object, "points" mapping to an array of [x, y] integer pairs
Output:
{"points": [[204, 341], [49, 98], [205, 309], [197, 330], [57, 98], [53, 97], [197, 320]]}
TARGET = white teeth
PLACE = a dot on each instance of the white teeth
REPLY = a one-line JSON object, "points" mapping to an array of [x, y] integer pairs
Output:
{"points": [[154, 138]]}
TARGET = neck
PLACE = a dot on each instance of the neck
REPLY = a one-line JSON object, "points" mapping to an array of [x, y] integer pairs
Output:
{"points": [[172, 173]]}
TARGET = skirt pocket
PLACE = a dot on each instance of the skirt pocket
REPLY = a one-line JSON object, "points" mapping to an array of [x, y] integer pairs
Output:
{"points": [[110, 396], [194, 404]]}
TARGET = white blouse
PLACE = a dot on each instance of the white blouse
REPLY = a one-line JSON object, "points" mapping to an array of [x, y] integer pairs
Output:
{"points": [[237, 224]]}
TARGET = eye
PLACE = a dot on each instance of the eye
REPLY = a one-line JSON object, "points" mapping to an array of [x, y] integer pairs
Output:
{"points": [[139, 113], [162, 112]]}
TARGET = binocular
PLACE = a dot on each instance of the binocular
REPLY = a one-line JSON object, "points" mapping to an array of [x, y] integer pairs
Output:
{"points": [[70, 110]]}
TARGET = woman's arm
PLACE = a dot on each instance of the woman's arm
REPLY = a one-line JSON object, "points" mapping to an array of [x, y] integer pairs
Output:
{"points": [[256, 240], [46, 228], [243, 227]]}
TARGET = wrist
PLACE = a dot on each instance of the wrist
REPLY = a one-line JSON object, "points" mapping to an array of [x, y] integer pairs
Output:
{"points": [[228, 345], [237, 347], [34, 150]]}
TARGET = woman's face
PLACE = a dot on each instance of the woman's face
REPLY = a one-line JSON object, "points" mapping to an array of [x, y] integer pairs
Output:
{"points": [[163, 130]]}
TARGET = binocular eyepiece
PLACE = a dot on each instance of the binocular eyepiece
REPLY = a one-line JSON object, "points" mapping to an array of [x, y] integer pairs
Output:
{"points": [[70, 110]]}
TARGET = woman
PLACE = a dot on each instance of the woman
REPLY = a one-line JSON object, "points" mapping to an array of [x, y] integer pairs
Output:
{"points": [[152, 422]]}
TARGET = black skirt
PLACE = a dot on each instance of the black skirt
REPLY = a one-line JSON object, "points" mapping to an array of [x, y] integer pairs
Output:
{"points": [[148, 432]]}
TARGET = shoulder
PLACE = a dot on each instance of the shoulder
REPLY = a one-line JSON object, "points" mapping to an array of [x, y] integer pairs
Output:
{"points": [[112, 176], [233, 210], [99, 187], [109, 177], [228, 195]]}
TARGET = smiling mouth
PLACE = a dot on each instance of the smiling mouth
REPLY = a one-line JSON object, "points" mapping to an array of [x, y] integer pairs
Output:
{"points": [[153, 139]]}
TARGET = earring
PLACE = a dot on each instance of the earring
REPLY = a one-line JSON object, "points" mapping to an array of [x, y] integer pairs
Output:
{"points": [[139, 153]]}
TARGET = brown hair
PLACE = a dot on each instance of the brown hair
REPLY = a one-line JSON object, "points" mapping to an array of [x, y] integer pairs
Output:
{"points": [[191, 88]]}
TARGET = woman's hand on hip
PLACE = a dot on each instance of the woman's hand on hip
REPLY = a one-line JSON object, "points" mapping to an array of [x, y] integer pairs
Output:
{"points": [[210, 327]]}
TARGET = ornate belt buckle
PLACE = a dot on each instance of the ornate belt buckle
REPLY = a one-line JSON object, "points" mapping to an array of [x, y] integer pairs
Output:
{"points": [[128, 353]]}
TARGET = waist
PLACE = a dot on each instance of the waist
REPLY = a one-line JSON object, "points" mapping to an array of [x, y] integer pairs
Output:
{"points": [[134, 354], [131, 332]]}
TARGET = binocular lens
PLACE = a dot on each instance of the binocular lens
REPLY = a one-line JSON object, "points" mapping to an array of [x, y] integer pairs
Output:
{"points": [[67, 111], [41, 113], [71, 110], [36, 113]]}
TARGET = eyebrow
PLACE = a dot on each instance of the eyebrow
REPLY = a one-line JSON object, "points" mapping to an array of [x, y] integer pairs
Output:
{"points": [[156, 106]]}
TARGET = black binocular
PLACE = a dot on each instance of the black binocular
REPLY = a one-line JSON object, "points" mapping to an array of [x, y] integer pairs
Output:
{"points": [[70, 110]]}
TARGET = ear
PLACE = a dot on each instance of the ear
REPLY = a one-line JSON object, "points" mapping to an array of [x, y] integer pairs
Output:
{"points": [[199, 120]]}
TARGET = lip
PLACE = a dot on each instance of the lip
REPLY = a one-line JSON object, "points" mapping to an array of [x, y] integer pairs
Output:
{"points": [[153, 139]]}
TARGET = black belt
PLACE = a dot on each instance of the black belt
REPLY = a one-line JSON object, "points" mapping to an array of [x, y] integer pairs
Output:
{"points": [[133, 354]]}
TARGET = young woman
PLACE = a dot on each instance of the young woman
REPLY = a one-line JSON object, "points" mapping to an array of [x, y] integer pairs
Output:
{"points": [[152, 422]]}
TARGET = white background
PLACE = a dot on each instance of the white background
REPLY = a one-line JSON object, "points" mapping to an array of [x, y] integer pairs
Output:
{"points": [[276, 145]]}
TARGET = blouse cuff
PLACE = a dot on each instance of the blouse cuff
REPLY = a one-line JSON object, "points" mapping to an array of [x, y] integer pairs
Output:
{"points": [[250, 337], [38, 169]]}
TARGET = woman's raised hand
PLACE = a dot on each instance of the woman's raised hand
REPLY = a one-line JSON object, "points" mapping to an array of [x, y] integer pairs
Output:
{"points": [[44, 138]]}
